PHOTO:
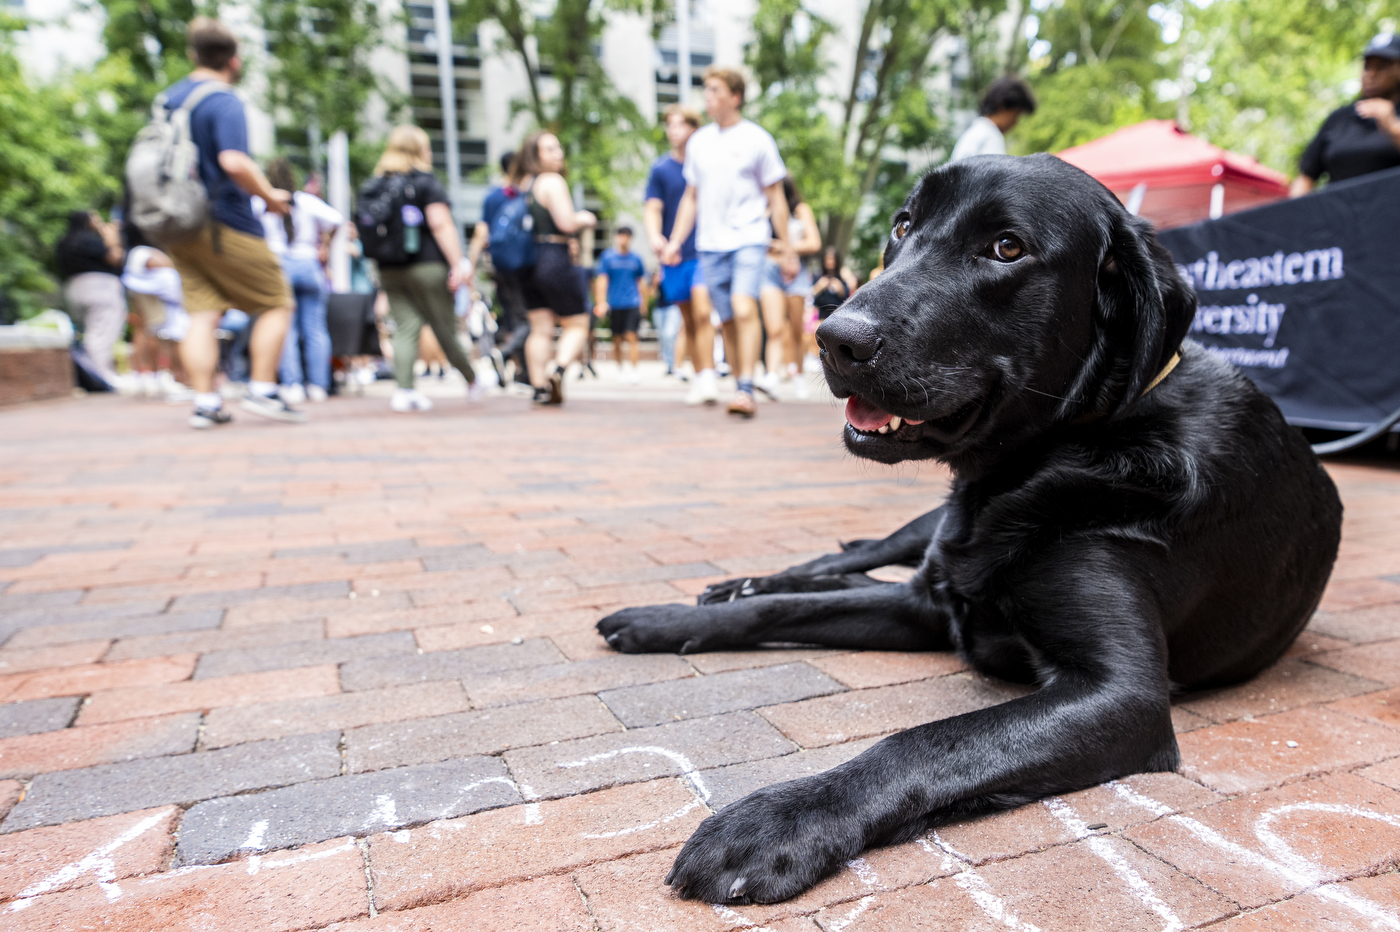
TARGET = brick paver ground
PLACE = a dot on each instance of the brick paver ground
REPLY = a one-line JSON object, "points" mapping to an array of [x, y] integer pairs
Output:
{"points": [[345, 676]]}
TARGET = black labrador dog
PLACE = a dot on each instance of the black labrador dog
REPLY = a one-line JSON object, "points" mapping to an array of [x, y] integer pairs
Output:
{"points": [[1129, 518]]}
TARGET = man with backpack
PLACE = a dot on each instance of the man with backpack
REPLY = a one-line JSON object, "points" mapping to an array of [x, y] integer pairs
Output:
{"points": [[511, 258], [223, 261]]}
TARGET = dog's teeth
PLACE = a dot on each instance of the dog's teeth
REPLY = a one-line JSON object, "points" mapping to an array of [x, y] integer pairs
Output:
{"points": [[883, 430], [896, 423]]}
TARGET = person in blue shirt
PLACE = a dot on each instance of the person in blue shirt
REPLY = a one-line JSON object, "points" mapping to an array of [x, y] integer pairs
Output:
{"points": [[619, 292], [228, 263], [681, 284], [509, 291]]}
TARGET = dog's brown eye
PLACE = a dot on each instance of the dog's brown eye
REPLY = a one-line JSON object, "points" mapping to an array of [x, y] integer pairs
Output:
{"points": [[1007, 249], [901, 228]]}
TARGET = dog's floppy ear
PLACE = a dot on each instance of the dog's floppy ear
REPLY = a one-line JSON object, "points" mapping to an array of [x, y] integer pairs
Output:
{"points": [[1144, 307]]}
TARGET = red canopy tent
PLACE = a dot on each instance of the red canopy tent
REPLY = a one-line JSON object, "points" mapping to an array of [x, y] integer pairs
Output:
{"points": [[1173, 177]]}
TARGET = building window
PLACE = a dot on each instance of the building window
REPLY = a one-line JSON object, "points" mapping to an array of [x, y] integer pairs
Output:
{"points": [[425, 94], [702, 55]]}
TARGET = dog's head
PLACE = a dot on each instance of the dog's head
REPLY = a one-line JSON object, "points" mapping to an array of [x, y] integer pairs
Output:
{"points": [[1018, 294]]}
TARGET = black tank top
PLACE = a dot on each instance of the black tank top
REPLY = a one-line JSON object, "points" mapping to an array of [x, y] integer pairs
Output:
{"points": [[543, 220]]}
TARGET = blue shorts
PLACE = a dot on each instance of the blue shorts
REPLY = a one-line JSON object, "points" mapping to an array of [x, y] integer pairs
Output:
{"points": [[677, 280], [730, 273]]}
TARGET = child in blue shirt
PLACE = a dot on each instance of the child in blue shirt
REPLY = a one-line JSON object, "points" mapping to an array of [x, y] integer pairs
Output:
{"points": [[619, 291]]}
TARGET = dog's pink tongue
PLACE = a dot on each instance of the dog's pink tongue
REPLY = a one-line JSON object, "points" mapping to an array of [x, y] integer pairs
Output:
{"points": [[863, 415]]}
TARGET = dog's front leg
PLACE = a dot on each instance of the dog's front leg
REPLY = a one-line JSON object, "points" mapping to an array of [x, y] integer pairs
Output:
{"points": [[905, 547], [1103, 713], [882, 616]]}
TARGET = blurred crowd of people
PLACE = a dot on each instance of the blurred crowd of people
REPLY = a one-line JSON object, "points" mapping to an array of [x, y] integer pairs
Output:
{"points": [[242, 306]]}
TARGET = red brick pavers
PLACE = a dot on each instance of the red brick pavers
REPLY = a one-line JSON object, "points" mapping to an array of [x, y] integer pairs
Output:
{"points": [[344, 676]]}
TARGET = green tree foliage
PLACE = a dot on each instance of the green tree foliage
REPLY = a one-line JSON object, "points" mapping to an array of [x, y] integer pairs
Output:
{"points": [[318, 67], [1254, 76], [51, 162], [1259, 76], [836, 143], [604, 134], [1098, 73]]}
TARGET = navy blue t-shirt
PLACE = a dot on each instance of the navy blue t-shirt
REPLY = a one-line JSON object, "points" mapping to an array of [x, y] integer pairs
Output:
{"points": [[217, 125], [667, 185], [623, 272]]}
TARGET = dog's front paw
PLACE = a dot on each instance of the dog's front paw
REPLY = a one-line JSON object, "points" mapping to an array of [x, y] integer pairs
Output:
{"points": [[727, 591], [654, 629], [769, 846]]}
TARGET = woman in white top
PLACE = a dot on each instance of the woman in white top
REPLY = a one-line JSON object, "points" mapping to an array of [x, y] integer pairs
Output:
{"points": [[787, 286], [300, 240]]}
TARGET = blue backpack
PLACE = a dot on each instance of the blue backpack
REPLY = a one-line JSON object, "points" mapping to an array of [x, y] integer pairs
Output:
{"points": [[513, 235]]}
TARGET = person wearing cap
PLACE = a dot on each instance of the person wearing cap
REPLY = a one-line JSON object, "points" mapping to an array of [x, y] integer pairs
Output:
{"points": [[1363, 137]]}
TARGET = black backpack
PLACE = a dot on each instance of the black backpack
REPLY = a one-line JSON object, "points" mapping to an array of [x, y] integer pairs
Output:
{"points": [[379, 217]]}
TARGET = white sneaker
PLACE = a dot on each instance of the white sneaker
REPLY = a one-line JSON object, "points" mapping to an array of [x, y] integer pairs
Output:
{"points": [[410, 399], [476, 391], [630, 376], [292, 394], [273, 407], [316, 393], [769, 385], [150, 385], [177, 394], [705, 389], [799, 387]]}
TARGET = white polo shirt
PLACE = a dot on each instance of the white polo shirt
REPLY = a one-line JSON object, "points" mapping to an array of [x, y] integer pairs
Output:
{"points": [[730, 168], [982, 137]]}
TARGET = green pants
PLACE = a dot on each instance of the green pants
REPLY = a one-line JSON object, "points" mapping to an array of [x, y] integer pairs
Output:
{"points": [[418, 295]]}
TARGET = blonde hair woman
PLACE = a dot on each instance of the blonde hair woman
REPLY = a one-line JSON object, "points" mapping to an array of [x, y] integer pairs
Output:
{"points": [[552, 291], [420, 289]]}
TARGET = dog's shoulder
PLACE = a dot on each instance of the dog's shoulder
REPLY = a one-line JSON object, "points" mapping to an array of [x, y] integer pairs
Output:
{"points": [[1200, 446]]}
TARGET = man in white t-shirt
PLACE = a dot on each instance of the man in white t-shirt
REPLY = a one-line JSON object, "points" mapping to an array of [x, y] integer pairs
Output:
{"points": [[734, 185], [1003, 104]]}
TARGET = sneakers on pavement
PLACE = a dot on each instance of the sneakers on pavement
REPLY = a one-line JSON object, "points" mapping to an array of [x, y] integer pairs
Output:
{"points": [[556, 386], [743, 405], [272, 407], [315, 393], [205, 418], [769, 385], [410, 399], [704, 390], [476, 391], [799, 387], [292, 394]]}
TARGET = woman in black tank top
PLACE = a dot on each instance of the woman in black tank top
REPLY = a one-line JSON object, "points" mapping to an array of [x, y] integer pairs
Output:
{"points": [[835, 285], [551, 289]]}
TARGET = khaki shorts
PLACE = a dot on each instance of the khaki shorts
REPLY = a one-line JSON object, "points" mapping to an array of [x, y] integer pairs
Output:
{"points": [[148, 307], [242, 273]]}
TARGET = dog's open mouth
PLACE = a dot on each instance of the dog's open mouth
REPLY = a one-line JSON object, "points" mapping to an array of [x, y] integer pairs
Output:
{"points": [[867, 420]]}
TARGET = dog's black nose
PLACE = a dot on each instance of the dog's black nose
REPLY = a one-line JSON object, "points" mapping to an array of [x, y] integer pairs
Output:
{"points": [[848, 339]]}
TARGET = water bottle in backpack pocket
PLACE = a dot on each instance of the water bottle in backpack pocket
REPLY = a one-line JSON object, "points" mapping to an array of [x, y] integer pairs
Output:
{"points": [[380, 217], [412, 228]]}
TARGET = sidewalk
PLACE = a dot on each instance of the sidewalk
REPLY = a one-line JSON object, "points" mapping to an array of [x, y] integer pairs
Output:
{"points": [[344, 675]]}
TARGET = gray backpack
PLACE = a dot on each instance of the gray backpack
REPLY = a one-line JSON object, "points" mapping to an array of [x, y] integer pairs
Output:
{"points": [[168, 200]]}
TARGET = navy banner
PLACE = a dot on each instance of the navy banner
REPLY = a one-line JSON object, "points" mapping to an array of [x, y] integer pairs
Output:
{"points": [[1304, 297]]}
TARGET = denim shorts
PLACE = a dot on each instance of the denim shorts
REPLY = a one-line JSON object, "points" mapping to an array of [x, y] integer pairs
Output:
{"points": [[799, 287], [730, 273]]}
